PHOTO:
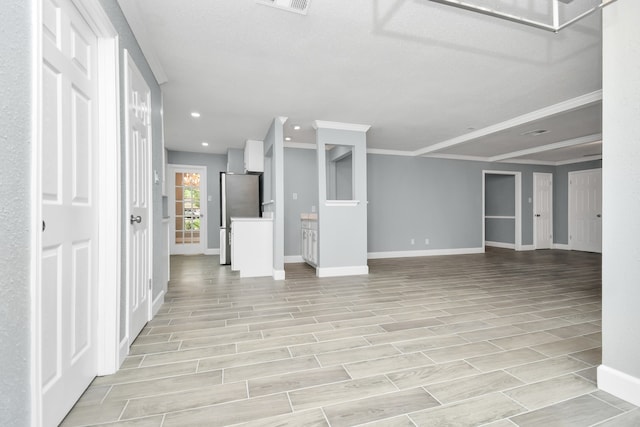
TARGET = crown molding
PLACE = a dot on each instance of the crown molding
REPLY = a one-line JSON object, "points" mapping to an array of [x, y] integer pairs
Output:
{"points": [[321, 124]]}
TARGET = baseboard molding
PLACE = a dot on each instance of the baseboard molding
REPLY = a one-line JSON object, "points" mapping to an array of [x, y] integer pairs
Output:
{"points": [[123, 351], [428, 252], [212, 251], [561, 246], [619, 384], [526, 248], [355, 270], [292, 259], [500, 245], [278, 274], [157, 303]]}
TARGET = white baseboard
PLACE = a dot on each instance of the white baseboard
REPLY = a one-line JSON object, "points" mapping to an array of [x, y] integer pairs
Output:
{"points": [[123, 350], [291, 259], [619, 384], [355, 270], [212, 251], [561, 246], [157, 303], [526, 248], [278, 274], [428, 252], [500, 245]]}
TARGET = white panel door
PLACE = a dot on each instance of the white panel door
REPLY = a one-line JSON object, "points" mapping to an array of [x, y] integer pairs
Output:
{"points": [[585, 210], [543, 210], [138, 148], [68, 261]]}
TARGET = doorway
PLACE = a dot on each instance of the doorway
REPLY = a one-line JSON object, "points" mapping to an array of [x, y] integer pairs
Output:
{"points": [[188, 205], [542, 210], [502, 209], [585, 210]]}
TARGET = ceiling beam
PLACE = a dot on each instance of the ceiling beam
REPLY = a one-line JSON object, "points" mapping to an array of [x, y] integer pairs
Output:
{"points": [[555, 146], [564, 106]]}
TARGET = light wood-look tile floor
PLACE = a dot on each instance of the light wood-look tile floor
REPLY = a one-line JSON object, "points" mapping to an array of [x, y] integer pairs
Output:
{"points": [[503, 338]]}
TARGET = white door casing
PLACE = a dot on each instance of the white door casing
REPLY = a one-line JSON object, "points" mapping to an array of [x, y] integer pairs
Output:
{"points": [[199, 247], [543, 210], [585, 210], [68, 262], [138, 187]]}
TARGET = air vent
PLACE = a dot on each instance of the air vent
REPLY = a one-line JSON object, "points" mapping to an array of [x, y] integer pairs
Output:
{"points": [[534, 132], [296, 6]]}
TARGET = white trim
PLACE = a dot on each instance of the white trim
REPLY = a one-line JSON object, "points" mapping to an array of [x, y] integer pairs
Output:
{"points": [[555, 146], [171, 200], [300, 145], [619, 384], [499, 217], [385, 152], [568, 105], [526, 248], [123, 349], [579, 160], [518, 204], [355, 270], [427, 252], [293, 259], [212, 251], [322, 124], [157, 303], [136, 23], [278, 274], [561, 246], [527, 162], [342, 203], [457, 157], [500, 245]]}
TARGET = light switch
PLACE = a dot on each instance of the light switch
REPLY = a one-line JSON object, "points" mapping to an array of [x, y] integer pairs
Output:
{"points": [[295, 196], [209, 198], [530, 200]]}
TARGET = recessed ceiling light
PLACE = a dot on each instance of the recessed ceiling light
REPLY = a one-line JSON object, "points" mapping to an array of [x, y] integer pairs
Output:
{"points": [[287, 138], [195, 114], [296, 127], [535, 132], [205, 144]]}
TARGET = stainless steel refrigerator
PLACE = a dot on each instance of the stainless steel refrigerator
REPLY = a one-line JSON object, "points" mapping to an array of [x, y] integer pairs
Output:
{"points": [[240, 197]]}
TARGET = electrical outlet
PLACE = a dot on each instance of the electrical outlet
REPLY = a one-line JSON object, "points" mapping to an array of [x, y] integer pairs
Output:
{"points": [[413, 241], [426, 241], [295, 196]]}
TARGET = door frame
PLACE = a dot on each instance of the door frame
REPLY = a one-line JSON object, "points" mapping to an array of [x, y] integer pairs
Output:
{"points": [[535, 202], [518, 208], [127, 340], [204, 199], [569, 210], [108, 198]]}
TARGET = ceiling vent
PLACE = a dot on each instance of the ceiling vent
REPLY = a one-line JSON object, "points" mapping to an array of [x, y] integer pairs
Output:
{"points": [[534, 132], [296, 6]]}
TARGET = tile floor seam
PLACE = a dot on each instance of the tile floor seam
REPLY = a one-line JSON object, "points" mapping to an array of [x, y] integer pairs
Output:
{"points": [[604, 401]]}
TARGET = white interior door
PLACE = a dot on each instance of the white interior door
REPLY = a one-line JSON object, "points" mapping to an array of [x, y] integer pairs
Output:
{"points": [[543, 210], [585, 210], [188, 204], [68, 260], [138, 146]]}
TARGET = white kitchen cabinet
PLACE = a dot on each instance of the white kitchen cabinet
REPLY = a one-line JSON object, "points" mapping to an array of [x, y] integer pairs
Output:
{"points": [[309, 238], [252, 246], [254, 156]]}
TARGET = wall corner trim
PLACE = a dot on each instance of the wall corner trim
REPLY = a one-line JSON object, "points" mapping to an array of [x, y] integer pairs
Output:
{"points": [[355, 270], [278, 275], [619, 384], [157, 303]]}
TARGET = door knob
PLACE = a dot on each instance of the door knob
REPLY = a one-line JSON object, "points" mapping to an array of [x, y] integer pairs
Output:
{"points": [[599, 215], [537, 214], [137, 219]]}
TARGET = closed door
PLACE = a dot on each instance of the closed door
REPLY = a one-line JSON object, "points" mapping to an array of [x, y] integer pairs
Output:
{"points": [[189, 210], [68, 257], [542, 210], [138, 146], [585, 210]]}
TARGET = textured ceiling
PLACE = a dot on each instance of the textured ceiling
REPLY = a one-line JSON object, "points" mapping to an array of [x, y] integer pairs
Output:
{"points": [[418, 72]]}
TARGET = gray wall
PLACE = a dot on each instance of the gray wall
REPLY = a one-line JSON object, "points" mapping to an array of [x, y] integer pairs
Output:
{"points": [[300, 177], [344, 178], [15, 172], [215, 163], [499, 198], [128, 41], [500, 230], [235, 160], [561, 198]]}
